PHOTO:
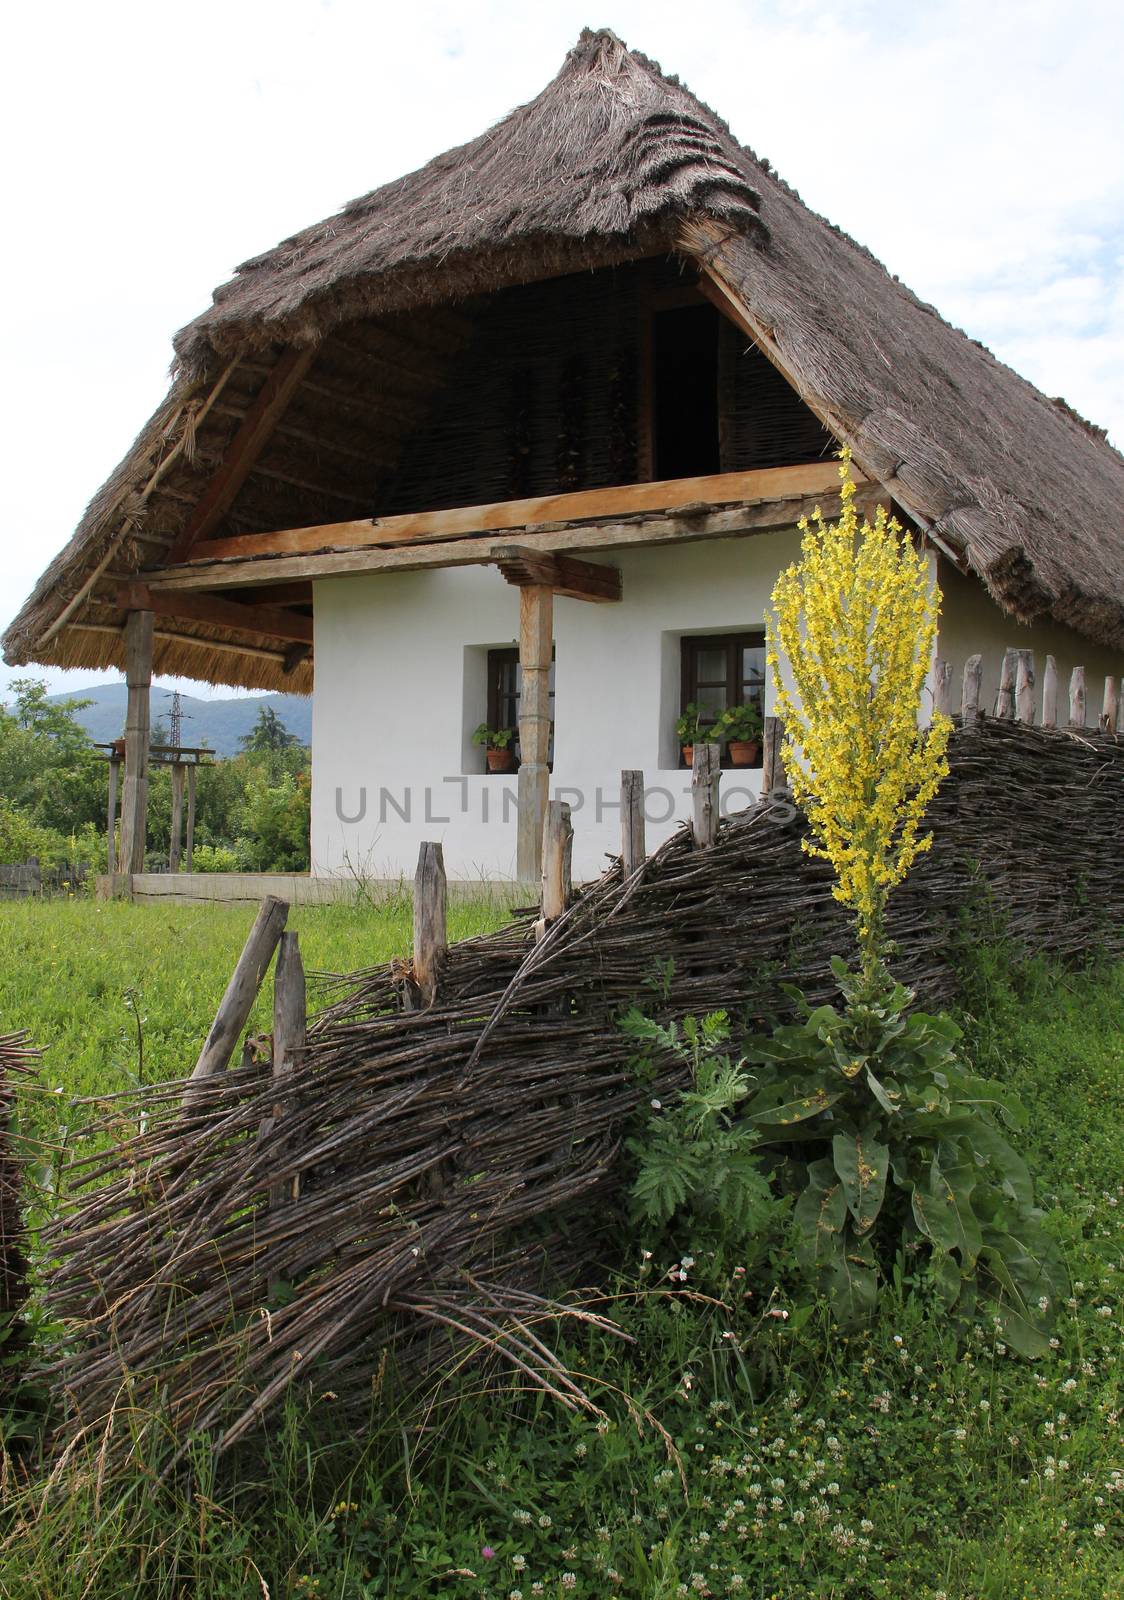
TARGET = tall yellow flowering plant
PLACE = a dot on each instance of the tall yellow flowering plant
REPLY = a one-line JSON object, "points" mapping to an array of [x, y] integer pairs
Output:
{"points": [[855, 620]]}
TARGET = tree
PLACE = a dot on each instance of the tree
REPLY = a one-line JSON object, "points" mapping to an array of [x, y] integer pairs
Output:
{"points": [[49, 769], [269, 733]]}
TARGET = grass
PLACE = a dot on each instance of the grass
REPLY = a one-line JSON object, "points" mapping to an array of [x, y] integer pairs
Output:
{"points": [[786, 1462]]}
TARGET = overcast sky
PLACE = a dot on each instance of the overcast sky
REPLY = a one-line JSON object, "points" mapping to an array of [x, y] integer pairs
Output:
{"points": [[150, 147]]}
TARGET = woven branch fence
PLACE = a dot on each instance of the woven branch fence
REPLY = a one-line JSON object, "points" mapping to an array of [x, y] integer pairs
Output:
{"points": [[18, 1061], [422, 1173]]}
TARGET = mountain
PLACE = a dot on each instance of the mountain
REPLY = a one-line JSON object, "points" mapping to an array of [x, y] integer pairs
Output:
{"points": [[217, 723]]}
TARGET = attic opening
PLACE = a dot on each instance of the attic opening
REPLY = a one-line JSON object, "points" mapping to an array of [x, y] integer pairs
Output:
{"points": [[684, 357]]}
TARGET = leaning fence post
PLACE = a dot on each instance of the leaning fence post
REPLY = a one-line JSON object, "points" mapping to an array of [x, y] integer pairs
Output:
{"points": [[633, 849], [1111, 708], [942, 687], [241, 992], [1024, 685], [706, 774], [557, 859], [290, 1034], [1005, 699], [973, 685], [1077, 698], [773, 775], [431, 937], [1050, 694]]}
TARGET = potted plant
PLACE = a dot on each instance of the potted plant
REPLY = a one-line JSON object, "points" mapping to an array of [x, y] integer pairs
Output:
{"points": [[741, 727], [689, 728], [498, 744]]}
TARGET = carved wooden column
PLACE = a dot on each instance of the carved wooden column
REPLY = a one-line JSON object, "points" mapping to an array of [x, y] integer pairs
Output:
{"points": [[178, 771], [134, 800], [536, 636]]}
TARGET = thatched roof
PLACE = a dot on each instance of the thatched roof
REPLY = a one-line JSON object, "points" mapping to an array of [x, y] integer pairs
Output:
{"points": [[611, 162]]}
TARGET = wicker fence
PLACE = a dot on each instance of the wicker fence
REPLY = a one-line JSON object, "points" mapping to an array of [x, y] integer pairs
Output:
{"points": [[409, 1165]]}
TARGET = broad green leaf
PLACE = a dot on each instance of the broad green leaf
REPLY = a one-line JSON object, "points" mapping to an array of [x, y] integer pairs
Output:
{"points": [[850, 1278], [952, 1189], [888, 1097], [798, 1109], [819, 1214], [861, 1163], [946, 1278]]}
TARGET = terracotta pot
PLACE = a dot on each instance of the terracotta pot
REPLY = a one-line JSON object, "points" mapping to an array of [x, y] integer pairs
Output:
{"points": [[744, 752], [688, 754], [119, 749], [501, 760]]}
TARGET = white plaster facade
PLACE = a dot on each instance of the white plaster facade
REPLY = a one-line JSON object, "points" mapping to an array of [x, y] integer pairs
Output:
{"points": [[400, 685]]}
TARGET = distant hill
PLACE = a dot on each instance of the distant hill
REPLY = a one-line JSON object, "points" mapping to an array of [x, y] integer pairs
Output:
{"points": [[217, 723]]}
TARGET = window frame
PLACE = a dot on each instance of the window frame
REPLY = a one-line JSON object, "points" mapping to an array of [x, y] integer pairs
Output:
{"points": [[498, 658], [734, 643]]}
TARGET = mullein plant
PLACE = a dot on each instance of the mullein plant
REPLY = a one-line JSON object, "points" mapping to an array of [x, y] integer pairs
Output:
{"points": [[863, 1115]]}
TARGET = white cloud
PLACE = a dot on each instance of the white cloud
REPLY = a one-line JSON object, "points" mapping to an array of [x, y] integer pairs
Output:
{"points": [[976, 149]]}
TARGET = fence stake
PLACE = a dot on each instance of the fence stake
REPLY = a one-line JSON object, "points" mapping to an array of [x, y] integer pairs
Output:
{"points": [[1005, 699], [557, 859], [111, 816], [290, 1034], [189, 842], [242, 990], [1111, 711], [973, 685], [1050, 694], [633, 849], [431, 935], [1024, 685], [773, 776], [177, 816], [942, 687], [706, 775], [1077, 698]]}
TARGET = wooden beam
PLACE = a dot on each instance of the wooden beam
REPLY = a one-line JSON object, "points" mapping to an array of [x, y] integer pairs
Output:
{"points": [[659, 529], [579, 580], [134, 801], [536, 643], [267, 622], [269, 404], [277, 594], [459, 522]]}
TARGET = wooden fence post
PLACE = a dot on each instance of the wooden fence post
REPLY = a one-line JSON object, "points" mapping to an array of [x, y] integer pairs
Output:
{"points": [[1050, 694], [242, 990], [189, 841], [1005, 699], [973, 686], [706, 774], [942, 687], [111, 816], [557, 859], [1077, 698], [177, 816], [1024, 686], [134, 800], [633, 850], [1111, 710], [773, 775], [290, 1035], [431, 931]]}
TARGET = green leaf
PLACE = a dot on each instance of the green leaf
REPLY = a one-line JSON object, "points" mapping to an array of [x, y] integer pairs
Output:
{"points": [[819, 1214], [788, 1111], [889, 1099], [946, 1277], [850, 1277], [862, 1163]]}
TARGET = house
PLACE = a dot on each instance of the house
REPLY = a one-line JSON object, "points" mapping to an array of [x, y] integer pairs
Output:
{"points": [[521, 439]]}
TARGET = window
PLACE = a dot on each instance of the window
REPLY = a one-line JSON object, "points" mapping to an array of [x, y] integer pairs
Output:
{"points": [[684, 356], [720, 670], [505, 678]]}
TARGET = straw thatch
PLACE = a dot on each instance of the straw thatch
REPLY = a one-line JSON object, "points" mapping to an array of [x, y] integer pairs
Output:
{"points": [[611, 163], [452, 1160]]}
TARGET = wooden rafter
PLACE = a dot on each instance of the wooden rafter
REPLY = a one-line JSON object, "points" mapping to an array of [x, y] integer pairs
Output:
{"points": [[579, 580], [244, 449], [269, 622]]}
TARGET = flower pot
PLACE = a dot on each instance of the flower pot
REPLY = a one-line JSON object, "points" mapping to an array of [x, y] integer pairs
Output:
{"points": [[688, 755], [744, 752], [119, 749], [500, 760]]}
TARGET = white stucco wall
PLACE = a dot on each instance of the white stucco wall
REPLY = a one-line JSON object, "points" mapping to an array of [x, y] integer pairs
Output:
{"points": [[400, 663], [972, 623]]}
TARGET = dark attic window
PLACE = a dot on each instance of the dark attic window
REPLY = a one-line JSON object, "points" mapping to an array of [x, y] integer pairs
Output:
{"points": [[685, 392]]}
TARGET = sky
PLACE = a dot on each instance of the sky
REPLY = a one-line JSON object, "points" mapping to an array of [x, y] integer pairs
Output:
{"points": [[151, 147]]}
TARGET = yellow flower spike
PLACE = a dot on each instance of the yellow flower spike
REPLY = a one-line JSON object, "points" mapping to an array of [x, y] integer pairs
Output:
{"points": [[856, 621]]}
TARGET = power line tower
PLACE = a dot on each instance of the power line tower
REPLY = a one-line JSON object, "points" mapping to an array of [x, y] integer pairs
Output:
{"points": [[175, 721]]}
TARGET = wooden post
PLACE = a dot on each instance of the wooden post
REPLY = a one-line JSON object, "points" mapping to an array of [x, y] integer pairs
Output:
{"points": [[1077, 698], [942, 687], [242, 990], [1050, 694], [557, 856], [134, 801], [536, 633], [773, 775], [973, 685], [1005, 700], [633, 848], [290, 1034], [1024, 685], [706, 774], [111, 816], [189, 842], [1111, 709], [177, 816], [431, 937]]}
